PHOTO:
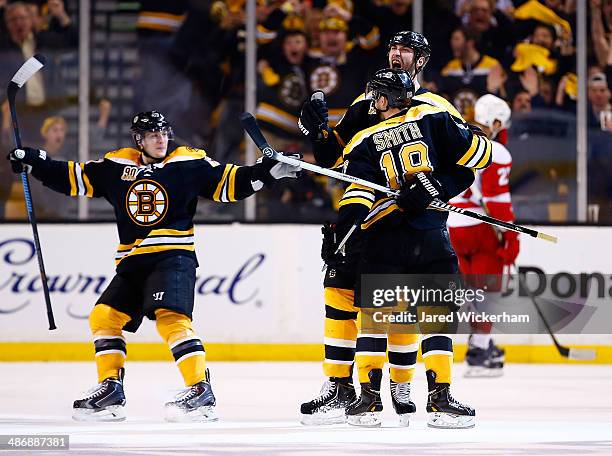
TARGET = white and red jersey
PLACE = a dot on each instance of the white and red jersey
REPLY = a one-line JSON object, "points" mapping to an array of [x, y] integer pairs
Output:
{"points": [[490, 189]]}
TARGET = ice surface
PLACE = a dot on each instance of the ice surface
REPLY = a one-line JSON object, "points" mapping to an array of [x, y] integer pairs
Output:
{"points": [[532, 410]]}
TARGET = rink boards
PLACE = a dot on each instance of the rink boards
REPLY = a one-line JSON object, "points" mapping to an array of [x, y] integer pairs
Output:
{"points": [[258, 293]]}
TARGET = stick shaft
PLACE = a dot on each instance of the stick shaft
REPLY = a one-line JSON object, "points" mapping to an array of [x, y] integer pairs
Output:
{"points": [[11, 92]]}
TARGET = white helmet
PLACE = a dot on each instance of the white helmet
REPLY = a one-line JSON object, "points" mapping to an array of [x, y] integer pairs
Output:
{"points": [[490, 108]]}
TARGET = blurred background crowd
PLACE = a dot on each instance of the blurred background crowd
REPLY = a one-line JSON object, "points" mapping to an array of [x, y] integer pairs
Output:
{"points": [[186, 58]]}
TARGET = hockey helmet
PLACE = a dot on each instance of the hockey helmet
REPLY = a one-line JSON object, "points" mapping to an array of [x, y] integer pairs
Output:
{"points": [[149, 121], [489, 109], [396, 85], [415, 41]]}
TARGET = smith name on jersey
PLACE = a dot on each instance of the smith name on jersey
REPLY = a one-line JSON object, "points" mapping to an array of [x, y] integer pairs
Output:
{"points": [[423, 138], [154, 204]]}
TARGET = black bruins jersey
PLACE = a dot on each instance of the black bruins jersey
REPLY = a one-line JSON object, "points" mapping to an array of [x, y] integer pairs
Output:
{"points": [[423, 138], [361, 115], [154, 204]]}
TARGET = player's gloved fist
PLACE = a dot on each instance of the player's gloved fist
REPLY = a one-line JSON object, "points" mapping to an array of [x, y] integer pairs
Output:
{"points": [[267, 171], [510, 247], [314, 119], [26, 156], [476, 130], [417, 193], [329, 246]]}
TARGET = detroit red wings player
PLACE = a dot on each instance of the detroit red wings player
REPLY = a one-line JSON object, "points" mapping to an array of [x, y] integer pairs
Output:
{"points": [[480, 248]]}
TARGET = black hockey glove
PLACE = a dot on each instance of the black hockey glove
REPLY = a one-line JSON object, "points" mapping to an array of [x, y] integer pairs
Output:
{"points": [[416, 194], [330, 245], [314, 118], [476, 130], [267, 171], [26, 156]]}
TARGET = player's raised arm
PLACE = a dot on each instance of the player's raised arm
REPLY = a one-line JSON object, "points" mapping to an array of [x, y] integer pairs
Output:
{"points": [[67, 177], [469, 148], [229, 183]]}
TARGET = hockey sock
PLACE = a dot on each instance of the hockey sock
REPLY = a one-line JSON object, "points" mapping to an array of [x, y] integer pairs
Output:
{"points": [[480, 340], [437, 351], [106, 324], [402, 353], [186, 347], [340, 332], [371, 354]]}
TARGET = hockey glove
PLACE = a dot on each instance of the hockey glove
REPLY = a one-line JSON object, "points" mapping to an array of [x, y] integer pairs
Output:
{"points": [[476, 130], [267, 171], [416, 194], [25, 157], [510, 247], [330, 245], [314, 118]]}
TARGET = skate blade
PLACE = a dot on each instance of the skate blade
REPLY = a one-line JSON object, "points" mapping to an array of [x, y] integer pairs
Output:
{"points": [[450, 421], [110, 413], [174, 414], [483, 372], [369, 419], [404, 419], [322, 419]]}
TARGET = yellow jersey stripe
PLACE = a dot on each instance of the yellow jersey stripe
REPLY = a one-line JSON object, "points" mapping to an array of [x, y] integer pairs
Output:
{"points": [[377, 217], [88, 188], [160, 232], [355, 200], [157, 249], [217, 194], [470, 152], [71, 176], [232, 184], [486, 159]]}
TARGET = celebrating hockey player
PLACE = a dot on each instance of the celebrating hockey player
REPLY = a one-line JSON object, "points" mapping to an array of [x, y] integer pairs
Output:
{"points": [[409, 51], [154, 194], [481, 249], [399, 235]]}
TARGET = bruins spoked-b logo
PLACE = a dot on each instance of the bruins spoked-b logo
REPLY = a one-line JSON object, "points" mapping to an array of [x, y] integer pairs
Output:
{"points": [[147, 202]]}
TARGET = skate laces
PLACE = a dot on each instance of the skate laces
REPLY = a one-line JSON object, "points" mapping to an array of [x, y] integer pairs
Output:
{"points": [[96, 391], [327, 391], [401, 392]]}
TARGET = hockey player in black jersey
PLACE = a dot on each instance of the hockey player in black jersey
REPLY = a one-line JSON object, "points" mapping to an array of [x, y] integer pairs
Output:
{"points": [[398, 235], [154, 193], [409, 51]]}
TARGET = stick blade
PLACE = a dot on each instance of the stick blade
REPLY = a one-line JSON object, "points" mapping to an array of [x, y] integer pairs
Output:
{"points": [[582, 354], [249, 123], [548, 237], [28, 69]]}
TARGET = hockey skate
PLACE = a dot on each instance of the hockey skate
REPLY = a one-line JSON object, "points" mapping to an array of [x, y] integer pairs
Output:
{"points": [[366, 410], [404, 407], [443, 410], [482, 362], [196, 403], [330, 406], [104, 402]]}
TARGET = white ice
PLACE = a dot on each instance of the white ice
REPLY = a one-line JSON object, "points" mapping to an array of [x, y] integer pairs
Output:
{"points": [[532, 410]]}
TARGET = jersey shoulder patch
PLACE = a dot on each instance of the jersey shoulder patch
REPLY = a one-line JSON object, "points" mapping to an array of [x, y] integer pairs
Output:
{"points": [[125, 156], [500, 154], [440, 102]]}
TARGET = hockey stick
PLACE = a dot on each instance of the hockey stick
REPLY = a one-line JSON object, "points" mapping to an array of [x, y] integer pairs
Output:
{"points": [[581, 354], [27, 70], [250, 126]]}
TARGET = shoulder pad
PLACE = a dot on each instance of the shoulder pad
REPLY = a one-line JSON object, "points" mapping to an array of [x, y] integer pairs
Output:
{"points": [[125, 156], [439, 102], [185, 153]]}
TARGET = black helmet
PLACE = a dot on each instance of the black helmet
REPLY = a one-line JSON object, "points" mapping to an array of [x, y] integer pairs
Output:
{"points": [[396, 85], [149, 121], [415, 41]]}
